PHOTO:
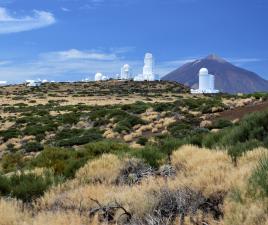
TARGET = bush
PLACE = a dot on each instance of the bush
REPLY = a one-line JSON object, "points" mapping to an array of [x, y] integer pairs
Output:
{"points": [[239, 149], [222, 123], [57, 159], [10, 133], [13, 161], [25, 187], [33, 147], [142, 140], [136, 108], [69, 138], [150, 155], [179, 130], [258, 182]]}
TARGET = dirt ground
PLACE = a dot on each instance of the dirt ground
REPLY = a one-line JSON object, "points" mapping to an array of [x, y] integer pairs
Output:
{"points": [[240, 112]]}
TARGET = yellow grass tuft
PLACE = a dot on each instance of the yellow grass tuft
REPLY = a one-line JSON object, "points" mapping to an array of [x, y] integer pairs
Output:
{"points": [[105, 170]]}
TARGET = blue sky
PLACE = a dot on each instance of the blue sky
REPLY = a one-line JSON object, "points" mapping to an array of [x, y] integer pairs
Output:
{"points": [[73, 39]]}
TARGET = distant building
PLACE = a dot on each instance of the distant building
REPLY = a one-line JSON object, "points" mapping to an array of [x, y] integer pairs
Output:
{"points": [[98, 76], [126, 72], [148, 69], [206, 83], [33, 83]]}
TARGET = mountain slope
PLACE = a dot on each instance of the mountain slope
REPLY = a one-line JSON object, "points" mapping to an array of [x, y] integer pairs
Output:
{"points": [[228, 78]]}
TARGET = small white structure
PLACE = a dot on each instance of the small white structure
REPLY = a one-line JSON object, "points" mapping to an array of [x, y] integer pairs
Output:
{"points": [[98, 76], [126, 72], [33, 83], [139, 77], [103, 78], [206, 83]]}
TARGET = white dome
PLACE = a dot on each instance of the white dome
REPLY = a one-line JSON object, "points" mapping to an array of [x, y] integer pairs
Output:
{"points": [[126, 66], [203, 71], [98, 76]]}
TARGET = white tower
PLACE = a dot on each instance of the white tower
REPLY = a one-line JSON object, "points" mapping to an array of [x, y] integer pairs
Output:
{"points": [[204, 80], [148, 73], [206, 83], [126, 72]]}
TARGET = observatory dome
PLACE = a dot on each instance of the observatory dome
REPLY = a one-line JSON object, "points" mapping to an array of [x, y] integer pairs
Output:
{"points": [[126, 66], [98, 76], [203, 71]]}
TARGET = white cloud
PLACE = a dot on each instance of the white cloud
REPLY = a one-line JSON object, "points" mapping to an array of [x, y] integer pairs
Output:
{"points": [[11, 24], [66, 65], [74, 54]]}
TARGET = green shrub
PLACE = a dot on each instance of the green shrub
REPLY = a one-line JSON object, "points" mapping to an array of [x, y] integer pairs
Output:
{"points": [[26, 187], [179, 129], [33, 147], [12, 161], [258, 182], [10, 133], [136, 108], [151, 155], [239, 149], [69, 138], [222, 123], [142, 140], [57, 159]]}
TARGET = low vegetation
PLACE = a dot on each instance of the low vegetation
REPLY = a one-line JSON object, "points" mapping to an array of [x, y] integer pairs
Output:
{"points": [[166, 159]]}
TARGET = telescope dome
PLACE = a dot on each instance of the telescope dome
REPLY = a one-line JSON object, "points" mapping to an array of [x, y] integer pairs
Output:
{"points": [[203, 71]]}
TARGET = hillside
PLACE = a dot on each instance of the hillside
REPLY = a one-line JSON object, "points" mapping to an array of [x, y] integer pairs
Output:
{"points": [[228, 77], [70, 156]]}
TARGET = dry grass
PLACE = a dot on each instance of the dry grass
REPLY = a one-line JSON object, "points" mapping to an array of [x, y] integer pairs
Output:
{"points": [[11, 213], [200, 169], [103, 170]]}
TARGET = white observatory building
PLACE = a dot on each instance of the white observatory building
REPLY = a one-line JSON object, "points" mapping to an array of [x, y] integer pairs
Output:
{"points": [[100, 77], [206, 83], [148, 69], [126, 72]]}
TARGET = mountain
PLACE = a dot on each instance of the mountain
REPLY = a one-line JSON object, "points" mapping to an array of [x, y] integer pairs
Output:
{"points": [[228, 77]]}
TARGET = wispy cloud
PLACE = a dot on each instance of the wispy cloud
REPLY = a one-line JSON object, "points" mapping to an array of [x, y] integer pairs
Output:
{"points": [[71, 64], [65, 9], [74, 54], [9, 23]]}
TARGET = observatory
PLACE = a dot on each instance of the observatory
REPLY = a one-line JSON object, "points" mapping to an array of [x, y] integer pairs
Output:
{"points": [[148, 69], [126, 72], [98, 77], [148, 73], [206, 83]]}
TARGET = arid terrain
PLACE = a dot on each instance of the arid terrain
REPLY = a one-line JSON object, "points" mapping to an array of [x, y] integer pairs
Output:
{"points": [[134, 153]]}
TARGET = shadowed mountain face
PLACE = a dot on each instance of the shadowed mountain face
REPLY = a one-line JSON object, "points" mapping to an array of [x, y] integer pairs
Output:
{"points": [[228, 78]]}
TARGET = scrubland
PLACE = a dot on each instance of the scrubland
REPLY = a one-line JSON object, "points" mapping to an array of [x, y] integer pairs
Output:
{"points": [[206, 188], [169, 158]]}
